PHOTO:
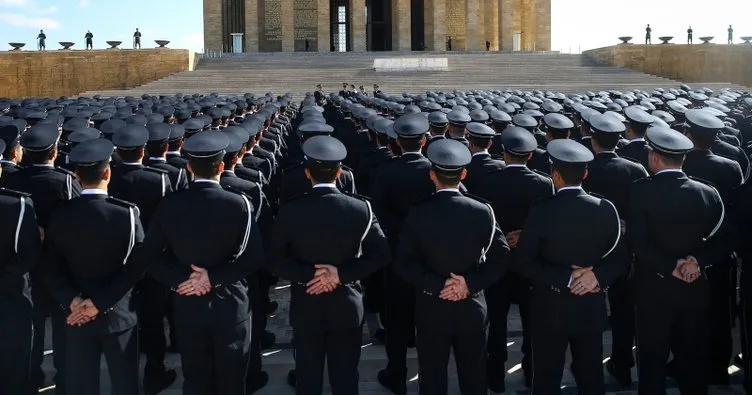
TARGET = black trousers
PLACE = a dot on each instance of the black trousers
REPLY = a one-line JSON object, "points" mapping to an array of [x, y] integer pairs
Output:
{"points": [[622, 323], [499, 298], [214, 354], [341, 350], [552, 331], [400, 329], [43, 309], [89, 44], [15, 345], [722, 296], [151, 313], [85, 346], [469, 354], [745, 320], [258, 326], [671, 317]]}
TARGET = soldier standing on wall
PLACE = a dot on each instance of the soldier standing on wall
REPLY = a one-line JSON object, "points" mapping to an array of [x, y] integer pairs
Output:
{"points": [[41, 38], [137, 39], [648, 30], [89, 40]]}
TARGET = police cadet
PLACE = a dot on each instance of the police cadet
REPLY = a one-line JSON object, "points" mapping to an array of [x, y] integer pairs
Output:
{"points": [[19, 252], [673, 231], [439, 126], [294, 182], [324, 265], [742, 215], [610, 176], [372, 160], [255, 378], [175, 145], [90, 271], [569, 250], [479, 136], [205, 264], [725, 175], [49, 187], [522, 188], [637, 149], [12, 153], [398, 184], [557, 127], [458, 120], [156, 155], [450, 307]]}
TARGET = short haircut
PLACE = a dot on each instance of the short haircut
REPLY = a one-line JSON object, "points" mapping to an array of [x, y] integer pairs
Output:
{"points": [[130, 155], [480, 141], [571, 173], [639, 129], [175, 145], [381, 139], [410, 145], [672, 160], [607, 141], [559, 134], [206, 167], [156, 148], [515, 158], [38, 157], [9, 149], [701, 138], [448, 177], [89, 175], [231, 159], [322, 173]]}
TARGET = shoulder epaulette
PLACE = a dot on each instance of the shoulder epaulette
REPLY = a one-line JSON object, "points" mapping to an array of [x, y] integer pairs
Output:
{"points": [[540, 173], [642, 180], [14, 193], [232, 189], [65, 171], [599, 196], [357, 196], [633, 160], [121, 202], [702, 181], [476, 198], [155, 170]]}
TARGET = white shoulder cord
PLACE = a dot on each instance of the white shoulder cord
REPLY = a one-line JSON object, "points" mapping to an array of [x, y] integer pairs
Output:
{"points": [[618, 229], [720, 221], [132, 239], [247, 235], [20, 221], [368, 228], [484, 251]]}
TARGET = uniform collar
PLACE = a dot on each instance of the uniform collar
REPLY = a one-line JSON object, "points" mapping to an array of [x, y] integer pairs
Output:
{"points": [[637, 139], [94, 192], [450, 190], [325, 185], [44, 165], [670, 172], [157, 159], [515, 165], [481, 153], [571, 189]]}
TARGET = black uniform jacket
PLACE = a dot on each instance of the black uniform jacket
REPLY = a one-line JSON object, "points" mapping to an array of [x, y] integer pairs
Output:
{"points": [[20, 246], [327, 227], [477, 250]]}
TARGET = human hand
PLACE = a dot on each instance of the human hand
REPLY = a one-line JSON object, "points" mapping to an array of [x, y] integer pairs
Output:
{"points": [[455, 288], [513, 238], [84, 313], [326, 279], [197, 284], [583, 281]]}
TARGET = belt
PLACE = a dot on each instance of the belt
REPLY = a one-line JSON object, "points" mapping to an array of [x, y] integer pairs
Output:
{"points": [[475, 295], [306, 284]]}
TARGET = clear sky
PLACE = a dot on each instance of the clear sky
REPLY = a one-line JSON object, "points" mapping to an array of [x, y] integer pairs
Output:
{"points": [[576, 24]]}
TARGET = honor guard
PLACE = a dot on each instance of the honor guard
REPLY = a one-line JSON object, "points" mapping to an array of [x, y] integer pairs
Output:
{"points": [[156, 155], [450, 307], [205, 265], [376, 158], [12, 153], [458, 120], [522, 188], [398, 184], [611, 177], [726, 176], [92, 281], [557, 127], [326, 309], [479, 137], [439, 125], [50, 188], [21, 248], [295, 184], [676, 234], [569, 250], [637, 149]]}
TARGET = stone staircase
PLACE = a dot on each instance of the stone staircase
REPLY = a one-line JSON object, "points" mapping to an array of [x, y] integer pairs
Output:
{"points": [[300, 72]]}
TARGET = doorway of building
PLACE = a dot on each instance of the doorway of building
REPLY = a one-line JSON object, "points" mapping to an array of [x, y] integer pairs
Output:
{"points": [[340, 26], [379, 25], [417, 26]]}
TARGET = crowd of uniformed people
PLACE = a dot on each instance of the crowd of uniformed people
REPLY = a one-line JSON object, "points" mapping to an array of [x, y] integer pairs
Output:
{"points": [[160, 223]]}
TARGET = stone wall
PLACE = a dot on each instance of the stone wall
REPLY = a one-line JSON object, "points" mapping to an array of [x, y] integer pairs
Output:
{"points": [[67, 73], [687, 63]]}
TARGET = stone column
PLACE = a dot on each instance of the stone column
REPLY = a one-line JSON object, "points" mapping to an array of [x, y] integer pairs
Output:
{"points": [[401, 33], [324, 26], [491, 23], [474, 26], [543, 25], [212, 25], [506, 24], [358, 25], [288, 26], [438, 34], [251, 26]]}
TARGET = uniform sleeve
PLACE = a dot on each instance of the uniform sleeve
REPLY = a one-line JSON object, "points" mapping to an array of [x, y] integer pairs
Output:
{"points": [[28, 247], [55, 269], [132, 271], [182, 182], [250, 261], [376, 254], [495, 265], [75, 188], [380, 199], [616, 260], [156, 257], [639, 242], [281, 260], [720, 244], [528, 260], [409, 265]]}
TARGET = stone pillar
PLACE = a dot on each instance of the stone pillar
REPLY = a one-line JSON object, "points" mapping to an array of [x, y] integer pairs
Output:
{"points": [[428, 24], [212, 25], [401, 33], [474, 26], [543, 25], [251, 26], [506, 24], [491, 23], [357, 25], [324, 26], [288, 25]]}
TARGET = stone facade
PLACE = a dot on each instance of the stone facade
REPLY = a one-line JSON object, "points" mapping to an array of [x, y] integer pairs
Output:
{"points": [[67, 73], [285, 25]]}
